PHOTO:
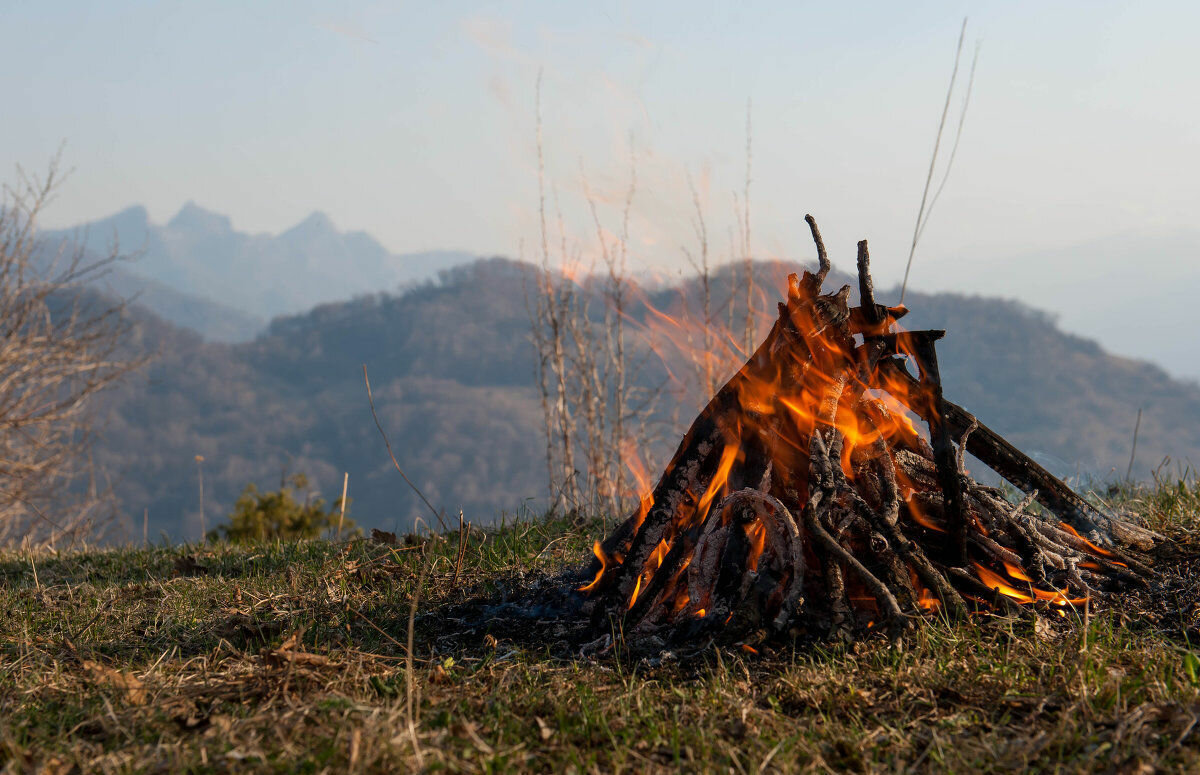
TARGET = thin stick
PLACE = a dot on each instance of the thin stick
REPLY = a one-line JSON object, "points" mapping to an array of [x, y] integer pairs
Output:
{"points": [[933, 160], [558, 304], [538, 315], [1087, 622], [410, 678], [376, 627], [537, 324], [72, 638], [621, 392], [462, 547], [342, 515], [749, 334], [1133, 451], [386, 443], [200, 472]]}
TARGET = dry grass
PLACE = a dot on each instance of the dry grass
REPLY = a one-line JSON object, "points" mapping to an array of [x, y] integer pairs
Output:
{"points": [[291, 657]]}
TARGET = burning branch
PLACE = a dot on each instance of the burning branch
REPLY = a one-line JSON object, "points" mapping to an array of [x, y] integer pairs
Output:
{"points": [[805, 498]]}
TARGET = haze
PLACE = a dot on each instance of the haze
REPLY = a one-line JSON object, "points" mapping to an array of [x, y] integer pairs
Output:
{"points": [[1073, 189]]}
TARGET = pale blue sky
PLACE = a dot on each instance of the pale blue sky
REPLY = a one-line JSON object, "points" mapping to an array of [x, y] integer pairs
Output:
{"points": [[415, 121]]}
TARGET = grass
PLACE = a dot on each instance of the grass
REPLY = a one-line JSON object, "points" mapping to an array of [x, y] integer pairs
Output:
{"points": [[292, 657]]}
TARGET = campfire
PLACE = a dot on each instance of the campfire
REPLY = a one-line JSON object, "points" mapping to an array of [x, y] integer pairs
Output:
{"points": [[823, 490]]}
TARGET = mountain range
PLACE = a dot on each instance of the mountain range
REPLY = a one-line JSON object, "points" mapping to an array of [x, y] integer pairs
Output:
{"points": [[199, 272], [452, 370]]}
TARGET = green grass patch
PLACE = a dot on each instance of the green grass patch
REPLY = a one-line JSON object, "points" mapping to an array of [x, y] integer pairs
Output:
{"points": [[292, 657]]}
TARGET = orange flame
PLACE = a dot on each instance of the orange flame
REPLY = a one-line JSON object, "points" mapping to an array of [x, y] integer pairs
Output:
{"points": [[671, 336], [659, 554], [928, 601], [925, 598], [1016, 572], [641, 477], [604, 562], [720, 478], [997, 582], [757, 533], [1092, 546], [653, 563], [915, 511], [636, 590]]}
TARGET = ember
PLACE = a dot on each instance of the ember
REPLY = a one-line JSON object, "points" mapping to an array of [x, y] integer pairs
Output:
{"points": [[804, 497]]}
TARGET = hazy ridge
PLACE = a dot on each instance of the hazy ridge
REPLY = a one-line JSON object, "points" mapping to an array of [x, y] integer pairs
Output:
{"points": [[199, 272], [452, 371]]}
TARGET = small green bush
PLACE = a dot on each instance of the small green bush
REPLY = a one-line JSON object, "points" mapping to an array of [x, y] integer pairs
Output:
{"points": [[267, 516]]}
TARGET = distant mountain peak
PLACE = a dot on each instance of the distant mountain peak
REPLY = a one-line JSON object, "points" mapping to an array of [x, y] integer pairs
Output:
{"points": [[132, 214], [316, 223], [199, 252], [193, 217], [132, 220], [124, 231]]}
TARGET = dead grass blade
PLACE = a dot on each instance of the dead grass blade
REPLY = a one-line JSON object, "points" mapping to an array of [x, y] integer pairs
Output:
{"points": [[127, 683], [371, 400]]}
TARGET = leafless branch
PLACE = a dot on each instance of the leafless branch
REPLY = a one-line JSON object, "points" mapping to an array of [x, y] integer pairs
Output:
{"points": [[60, 345]]}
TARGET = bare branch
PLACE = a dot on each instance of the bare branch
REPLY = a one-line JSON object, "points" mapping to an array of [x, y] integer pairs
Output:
{"points": [[60, 345]]}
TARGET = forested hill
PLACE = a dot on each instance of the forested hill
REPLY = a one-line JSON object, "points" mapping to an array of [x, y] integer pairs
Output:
{"points": [[452, 371]]}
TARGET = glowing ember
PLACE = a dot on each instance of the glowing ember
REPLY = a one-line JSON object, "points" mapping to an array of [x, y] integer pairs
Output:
{"points": [[757, 533]]}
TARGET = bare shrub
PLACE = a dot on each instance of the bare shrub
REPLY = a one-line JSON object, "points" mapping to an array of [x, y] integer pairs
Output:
{"points": [[59, 346]]}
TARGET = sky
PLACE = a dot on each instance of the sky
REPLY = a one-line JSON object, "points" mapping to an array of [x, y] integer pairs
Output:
{"points": [[417, 122]]}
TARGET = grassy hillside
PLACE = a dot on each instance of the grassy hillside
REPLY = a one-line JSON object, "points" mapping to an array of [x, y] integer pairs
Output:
{"points": [[293, 658], [452, 370]]}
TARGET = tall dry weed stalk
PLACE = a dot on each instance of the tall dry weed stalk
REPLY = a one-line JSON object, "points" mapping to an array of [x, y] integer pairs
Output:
{"points": [[699, 261], [553, 303], [599, 416], [582, 371], [749, 334], [927, 204]]}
